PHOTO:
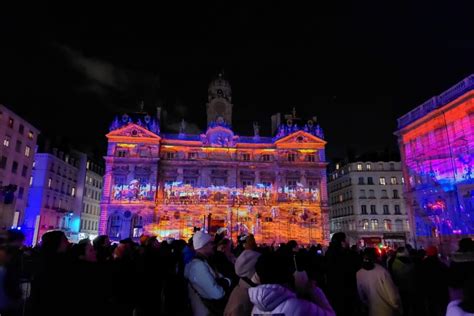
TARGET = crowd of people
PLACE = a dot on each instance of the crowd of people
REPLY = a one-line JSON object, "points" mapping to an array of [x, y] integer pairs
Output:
{"points": [[210, 275]]}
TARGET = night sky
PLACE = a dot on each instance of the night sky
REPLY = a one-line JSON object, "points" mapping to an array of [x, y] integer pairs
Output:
{"points": [[69, 68]]}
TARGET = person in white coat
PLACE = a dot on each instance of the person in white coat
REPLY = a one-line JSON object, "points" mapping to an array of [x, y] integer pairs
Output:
{"points": [[376, 289], [204, 284], [276, 295]]}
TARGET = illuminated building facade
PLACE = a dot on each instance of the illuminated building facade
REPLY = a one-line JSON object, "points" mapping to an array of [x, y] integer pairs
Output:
{"points": [[56, 193], [367, 203], [91, 201], [167, 184], [17, 149], [436, 142]]}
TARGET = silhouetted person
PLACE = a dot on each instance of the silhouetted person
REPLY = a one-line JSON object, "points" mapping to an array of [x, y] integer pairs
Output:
{"points": [[341, 271]]}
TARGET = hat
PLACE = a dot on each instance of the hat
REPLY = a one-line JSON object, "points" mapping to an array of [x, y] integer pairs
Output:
{"points": [[432, 251], [245, 263], [200, 239], [221, 230]]}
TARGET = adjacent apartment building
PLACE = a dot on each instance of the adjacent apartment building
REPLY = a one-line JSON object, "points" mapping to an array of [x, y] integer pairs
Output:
{"points": [[366, 203], [17, 148]]}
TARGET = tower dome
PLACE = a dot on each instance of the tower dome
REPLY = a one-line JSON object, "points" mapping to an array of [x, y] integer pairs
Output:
{"points": [[219, 88]]}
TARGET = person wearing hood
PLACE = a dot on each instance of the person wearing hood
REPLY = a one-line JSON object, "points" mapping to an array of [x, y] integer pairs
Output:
{"points": [[206, 288], [275, 294], [239, 302], [376, 288], [403, 273]]}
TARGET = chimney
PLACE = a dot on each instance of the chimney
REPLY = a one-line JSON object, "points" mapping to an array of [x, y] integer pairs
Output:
{"points": [[276, 120]]}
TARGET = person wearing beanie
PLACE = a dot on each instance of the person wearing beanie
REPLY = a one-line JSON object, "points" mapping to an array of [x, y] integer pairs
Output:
{"points": [[376, 288], [239, 303], [206, 287]]}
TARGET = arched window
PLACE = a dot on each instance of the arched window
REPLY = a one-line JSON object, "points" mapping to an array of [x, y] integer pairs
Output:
{"points": [[137, 226], [115, 225]]}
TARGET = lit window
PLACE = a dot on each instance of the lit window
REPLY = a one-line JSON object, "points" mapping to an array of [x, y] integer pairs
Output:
{"points": [[30, 135], [374, 224], [365, 224], [341, 198], [88, 165], [359, 167], [368, 166], [31, 181], [387, 224], [73, 191], [382, 181], [50, 181], [6, 141], [27, 151], [291, 157], [393, 180], [403, 180], [245, 157]]}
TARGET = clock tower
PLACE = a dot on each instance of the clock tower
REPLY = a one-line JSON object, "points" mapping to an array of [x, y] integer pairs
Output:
{"points": [[219, 100]]}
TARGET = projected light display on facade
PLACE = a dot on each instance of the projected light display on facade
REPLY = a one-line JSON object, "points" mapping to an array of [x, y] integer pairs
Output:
{"points": [[167, 184], [437, 146]]}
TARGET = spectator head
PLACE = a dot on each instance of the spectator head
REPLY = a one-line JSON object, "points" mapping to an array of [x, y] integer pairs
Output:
{"points": [[466, 245], [203, 244], [101, 241], [250, 243], [224, 245], [143, 239], [273, 268], [293, 245], [84, 251], [54, 242], [369, 258], [15, 238], [402, 252], [245, 263], [339, 240]]}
